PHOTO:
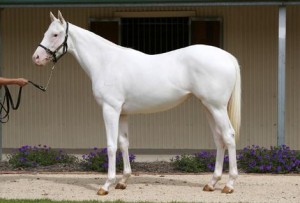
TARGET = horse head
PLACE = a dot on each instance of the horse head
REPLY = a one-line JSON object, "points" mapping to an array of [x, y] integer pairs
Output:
{"points": [[54, 44]]}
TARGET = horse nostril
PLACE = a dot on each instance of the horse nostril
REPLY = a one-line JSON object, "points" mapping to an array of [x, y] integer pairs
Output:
{"points": [[35, 58]]}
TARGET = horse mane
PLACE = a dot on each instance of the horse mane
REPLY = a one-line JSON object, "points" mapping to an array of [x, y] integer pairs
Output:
{"points": [[104, 40]]}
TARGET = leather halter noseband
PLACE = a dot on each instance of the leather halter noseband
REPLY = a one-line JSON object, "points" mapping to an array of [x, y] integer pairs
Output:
{"points": [[64, 45]]}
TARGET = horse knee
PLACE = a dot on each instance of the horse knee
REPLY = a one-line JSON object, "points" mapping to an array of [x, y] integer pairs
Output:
{"points": [[111, 151]]}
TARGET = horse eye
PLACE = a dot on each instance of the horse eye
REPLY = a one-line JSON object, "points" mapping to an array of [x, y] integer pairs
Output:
{"points": [[55, 35]]}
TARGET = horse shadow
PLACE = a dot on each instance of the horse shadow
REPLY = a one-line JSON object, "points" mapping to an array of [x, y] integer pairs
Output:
{"points": [[90, 182]]}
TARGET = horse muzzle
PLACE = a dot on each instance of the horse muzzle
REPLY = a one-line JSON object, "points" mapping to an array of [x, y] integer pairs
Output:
{"points": [[40, 57]]}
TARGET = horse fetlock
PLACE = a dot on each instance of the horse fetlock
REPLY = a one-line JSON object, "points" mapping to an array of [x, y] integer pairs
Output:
{"points": [[233, 175], [124, 179], [217, 177], [111, 180], [127, 174]]}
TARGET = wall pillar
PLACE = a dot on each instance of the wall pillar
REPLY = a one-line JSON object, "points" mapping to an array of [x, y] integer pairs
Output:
{"points": [[281, 75]]}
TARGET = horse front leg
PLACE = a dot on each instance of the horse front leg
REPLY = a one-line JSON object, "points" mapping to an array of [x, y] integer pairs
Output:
{"points": [[124, 144], [111, 117]]}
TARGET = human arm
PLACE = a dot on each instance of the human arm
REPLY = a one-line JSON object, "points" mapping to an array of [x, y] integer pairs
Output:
{"points": [[13, 81]]}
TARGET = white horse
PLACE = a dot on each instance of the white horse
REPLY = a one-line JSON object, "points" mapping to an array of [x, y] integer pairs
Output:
{"points": [[126, 81]]}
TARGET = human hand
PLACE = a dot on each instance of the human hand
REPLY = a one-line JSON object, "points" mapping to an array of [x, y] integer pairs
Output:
{"points": [[21, 81]]}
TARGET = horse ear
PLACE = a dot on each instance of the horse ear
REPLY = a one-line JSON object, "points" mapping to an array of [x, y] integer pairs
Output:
{"points": [[60, 17], [52, 17]]}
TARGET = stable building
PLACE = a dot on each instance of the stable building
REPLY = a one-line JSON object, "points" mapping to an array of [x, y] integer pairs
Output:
{"points": [[263, 35]]}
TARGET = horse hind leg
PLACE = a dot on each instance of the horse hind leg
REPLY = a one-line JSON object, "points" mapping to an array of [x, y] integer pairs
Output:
{"points": [[219, 156], [224, 138], [124, 144]]}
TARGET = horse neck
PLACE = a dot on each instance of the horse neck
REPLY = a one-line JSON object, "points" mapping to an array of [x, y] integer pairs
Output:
{"points": [[91, 51]]}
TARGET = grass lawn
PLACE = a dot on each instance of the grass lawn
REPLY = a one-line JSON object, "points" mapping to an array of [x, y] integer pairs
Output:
{"points": [[51, 201]]}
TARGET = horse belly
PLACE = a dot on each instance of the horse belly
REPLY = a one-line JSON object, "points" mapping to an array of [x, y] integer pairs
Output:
{"points": [[152, 104]]}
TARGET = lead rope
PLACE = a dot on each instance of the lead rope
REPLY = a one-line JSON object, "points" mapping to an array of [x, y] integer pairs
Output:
{"points": [[4, 110], [49, 79], [9, 102]]}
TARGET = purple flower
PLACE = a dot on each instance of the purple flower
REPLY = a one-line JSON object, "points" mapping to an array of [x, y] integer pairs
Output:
{"points": [[287, 167], [211, 166], [279, 169], [131, 157], [105, 165], [104, 151], [226, 159], [22, 159], [252, 164], [261, 168]]}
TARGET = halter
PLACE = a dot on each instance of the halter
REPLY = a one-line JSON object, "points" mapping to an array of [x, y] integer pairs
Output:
{"points": [[64, 45]]}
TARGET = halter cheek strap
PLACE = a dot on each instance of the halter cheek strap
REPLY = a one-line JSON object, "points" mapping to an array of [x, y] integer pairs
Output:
{"points": [[64, 45]]}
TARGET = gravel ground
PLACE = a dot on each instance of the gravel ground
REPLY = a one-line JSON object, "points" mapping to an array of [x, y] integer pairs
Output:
{"points": [[153, 182], [150, 187]]}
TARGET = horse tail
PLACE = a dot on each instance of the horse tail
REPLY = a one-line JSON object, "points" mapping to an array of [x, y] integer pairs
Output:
{"points": [[234, 105]]}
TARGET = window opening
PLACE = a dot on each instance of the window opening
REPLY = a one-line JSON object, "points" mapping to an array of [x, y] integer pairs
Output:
{"points": [[155, 35]]}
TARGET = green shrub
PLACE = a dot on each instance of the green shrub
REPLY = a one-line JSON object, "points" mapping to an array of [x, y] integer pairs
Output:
{"points": [[28, 156], [199, 162], [187, 163]]}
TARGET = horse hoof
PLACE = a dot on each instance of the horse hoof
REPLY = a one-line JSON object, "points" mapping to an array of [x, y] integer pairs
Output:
{"points": [[227, 190], [208, 188], [102, 192], [120, 186]]}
